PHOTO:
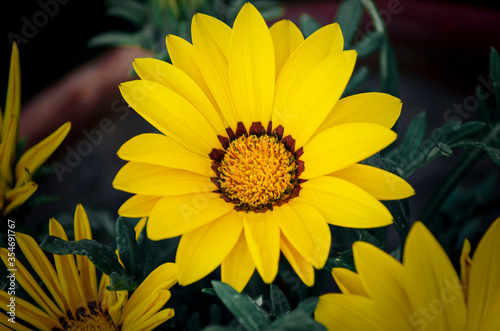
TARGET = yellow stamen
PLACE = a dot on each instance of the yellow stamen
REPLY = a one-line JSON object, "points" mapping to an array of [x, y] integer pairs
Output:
{"points": [[95, 321], [257, 172]]}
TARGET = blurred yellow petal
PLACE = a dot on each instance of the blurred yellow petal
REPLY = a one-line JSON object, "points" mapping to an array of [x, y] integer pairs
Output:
{"points": [[263, 238], [465, 266], [300, 265], [34, 157], [13, 102], [348, 282], [201, 251], [251, 67], [342, 146], [343, 203], [484, 282], [238, 266], [372, 107], [7, 150], [381, 184], [138, 206], [286, 38], [18, 195], [432, 283]]}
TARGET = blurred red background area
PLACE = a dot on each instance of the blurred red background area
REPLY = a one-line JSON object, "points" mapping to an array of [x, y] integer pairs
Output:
{"points": [[442, 48]]}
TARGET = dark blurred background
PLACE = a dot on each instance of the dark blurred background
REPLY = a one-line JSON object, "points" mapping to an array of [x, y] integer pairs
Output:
{"points": [[442, 48]]}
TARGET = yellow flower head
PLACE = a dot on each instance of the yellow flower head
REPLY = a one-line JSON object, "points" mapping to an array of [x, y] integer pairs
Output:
{"points": [[256, 154], [16, 185], [422, 293], [73, 301]]}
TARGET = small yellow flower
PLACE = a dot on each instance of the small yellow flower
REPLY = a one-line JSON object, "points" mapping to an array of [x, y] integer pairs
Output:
{"points": [[422, 293], [256, 154], [16, 185], [73, 301]]}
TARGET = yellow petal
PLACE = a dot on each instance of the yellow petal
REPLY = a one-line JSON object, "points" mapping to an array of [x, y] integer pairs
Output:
{"points": [[238, 267], [4, 319], [138, 317], [18, 195], [202, 250], [306, 230], [7, 150], [43, 268], [350, 312], [300, 265], [30, 285], [211, 39], [373, 107], [307, 105], [343, 203], [382, 277], [151, 322], [170, 113], [263, 238], [178, 81], [465, 266], [251, 67], [382, 184], [348, 281], [325, 41], [67, 272], [484, 282], [149, 179], [138, 206], [25, 311], [175, 215], [184, 57], [286, 38], [164, 151], [162, 278], [85, 267], [342, 146], [33, 158], [139, 227], [432, 284], [13, 102]]}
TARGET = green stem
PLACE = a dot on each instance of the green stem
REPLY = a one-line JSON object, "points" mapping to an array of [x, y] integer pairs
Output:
{"points": [[454, 178]]}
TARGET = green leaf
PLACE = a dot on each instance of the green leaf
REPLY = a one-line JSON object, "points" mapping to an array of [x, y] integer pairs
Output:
{"points": [[246, 311], [296, 321], [103, 257], [343, 259], [389, 73], [116, 38], [209, 290], [308, 25], [370, 43], [414, 135], [279, 302], [130, 11], [445, 149], [495, 75], [128, 248], [349, 16], [308, 305], [357, 79], [400, 210]]}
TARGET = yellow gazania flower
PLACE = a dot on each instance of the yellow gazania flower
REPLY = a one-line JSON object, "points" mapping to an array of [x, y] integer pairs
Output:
{"points": [[16, 185], [75, 302], [257, 153], [423, 293]]}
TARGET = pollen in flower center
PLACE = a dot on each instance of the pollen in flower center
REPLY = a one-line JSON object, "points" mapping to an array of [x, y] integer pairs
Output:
{"points": [[257, 172], [96, 321]]}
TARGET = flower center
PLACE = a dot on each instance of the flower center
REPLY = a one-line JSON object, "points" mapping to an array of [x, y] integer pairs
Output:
{"points": [[96, 320], [257, 172]]}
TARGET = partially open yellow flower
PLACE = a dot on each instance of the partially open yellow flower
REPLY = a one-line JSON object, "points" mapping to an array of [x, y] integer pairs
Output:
{"points": [[256, 154], [16, 185], [422, 293], [70, 298]]}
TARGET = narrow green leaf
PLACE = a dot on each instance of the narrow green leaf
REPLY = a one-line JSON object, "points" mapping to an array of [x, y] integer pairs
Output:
{"points": [[485, 112], [370, 43], [246, 311], [308, 25], [366, 236], [495, 75], [102, 256], [128, 248], [349, 16], [308, 305], [445, 149], [209, 290], [389, 73], [343, 259], [400, 210], [279, 302], [413, 136], [298, 320]]}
